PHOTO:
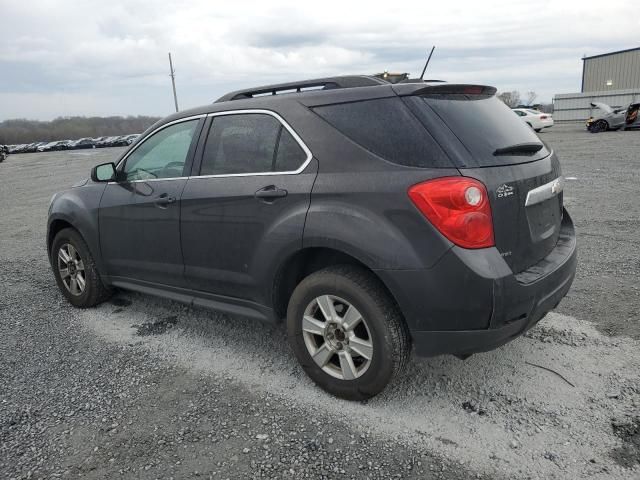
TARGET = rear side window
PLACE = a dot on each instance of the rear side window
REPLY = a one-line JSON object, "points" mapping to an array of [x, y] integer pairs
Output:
{"points": [[290, 155], [250, 143], [387, 128], [483, 123]]}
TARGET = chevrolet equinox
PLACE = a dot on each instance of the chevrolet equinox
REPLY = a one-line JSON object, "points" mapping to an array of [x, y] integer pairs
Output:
{"points": [[373, 218]]}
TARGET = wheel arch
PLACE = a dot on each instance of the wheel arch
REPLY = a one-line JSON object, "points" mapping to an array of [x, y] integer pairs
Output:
{"points": [[303, 263], [55, 226], [59, 222]]}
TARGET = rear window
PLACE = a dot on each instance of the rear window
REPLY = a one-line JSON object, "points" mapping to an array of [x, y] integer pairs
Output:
{"points": [[484, 125], [387, 128]]}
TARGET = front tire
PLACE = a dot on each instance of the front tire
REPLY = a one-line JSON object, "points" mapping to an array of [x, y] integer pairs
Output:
{"points": [[347, 332], [75, 270], [600, 126]]}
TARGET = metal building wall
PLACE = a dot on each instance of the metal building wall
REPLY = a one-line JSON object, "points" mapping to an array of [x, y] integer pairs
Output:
{"points": [[575, 107], [621, 69]]}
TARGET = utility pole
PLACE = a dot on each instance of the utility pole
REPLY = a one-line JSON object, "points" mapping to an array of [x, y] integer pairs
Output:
{"points": [[172, 74]]}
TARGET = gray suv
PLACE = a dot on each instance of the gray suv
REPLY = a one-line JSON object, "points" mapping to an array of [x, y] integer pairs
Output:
{"points": [[373, 218]]}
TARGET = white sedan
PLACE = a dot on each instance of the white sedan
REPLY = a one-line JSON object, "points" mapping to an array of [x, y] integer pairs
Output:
{"points": [[535, 119]]}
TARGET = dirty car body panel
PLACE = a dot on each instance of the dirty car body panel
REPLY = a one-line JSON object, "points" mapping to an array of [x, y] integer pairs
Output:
{"points": [[223, 239]]}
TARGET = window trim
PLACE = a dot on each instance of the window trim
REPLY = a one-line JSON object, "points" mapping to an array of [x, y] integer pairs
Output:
{"points": [[283, 123]]}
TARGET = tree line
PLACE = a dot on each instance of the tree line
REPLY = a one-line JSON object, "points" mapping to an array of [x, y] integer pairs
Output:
{"points": [[18, 131]]}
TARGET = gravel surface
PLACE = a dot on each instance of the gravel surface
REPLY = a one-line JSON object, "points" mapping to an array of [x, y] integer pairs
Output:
{"points": [[146, 388]]}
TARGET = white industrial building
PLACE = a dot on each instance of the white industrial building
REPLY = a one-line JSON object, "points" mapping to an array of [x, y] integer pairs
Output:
{"points": [[611, 78]]}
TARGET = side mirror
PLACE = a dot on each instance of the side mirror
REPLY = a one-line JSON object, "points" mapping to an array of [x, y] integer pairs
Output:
{"points": [[103, 173]]}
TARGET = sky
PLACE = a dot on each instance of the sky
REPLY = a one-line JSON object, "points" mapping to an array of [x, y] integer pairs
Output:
{"points": [[109, 57]]}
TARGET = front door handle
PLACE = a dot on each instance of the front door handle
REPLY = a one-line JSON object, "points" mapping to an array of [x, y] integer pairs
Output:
{"points": [[165, 199], [270, 193]]}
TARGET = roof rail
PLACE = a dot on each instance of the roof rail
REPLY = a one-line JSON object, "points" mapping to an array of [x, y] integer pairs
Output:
{"points": [[328, 83]]}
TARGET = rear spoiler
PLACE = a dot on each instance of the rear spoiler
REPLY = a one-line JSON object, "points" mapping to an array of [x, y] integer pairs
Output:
{"points": [[404, 89]]}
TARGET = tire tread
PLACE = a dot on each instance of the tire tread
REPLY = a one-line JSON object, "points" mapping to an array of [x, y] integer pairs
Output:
{"points": [[98, 292], [397, 335]]}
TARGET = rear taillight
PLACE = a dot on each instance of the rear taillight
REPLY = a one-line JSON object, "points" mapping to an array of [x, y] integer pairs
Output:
{"points": [[458, 207], [543, 117]]}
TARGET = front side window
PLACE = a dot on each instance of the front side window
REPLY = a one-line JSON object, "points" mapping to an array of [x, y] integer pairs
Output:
{"points": [[163, 155], [520, 113], [250, 143]]}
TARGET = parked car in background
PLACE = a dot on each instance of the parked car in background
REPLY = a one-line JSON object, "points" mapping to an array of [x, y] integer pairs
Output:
{"points": [[32, 147], [83, 143], [605, 117], [53, 146], [120, 141], [16, 148], [45, 147], [394, 218], [129, 139], [86, 142], [106, 142], [123, 140], [632, 117], [535, 119]]}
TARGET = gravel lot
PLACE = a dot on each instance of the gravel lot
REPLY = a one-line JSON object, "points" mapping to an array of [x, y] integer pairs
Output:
{"points": [[145, 388]]}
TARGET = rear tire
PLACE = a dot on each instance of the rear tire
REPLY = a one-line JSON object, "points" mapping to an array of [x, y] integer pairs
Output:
{"points": [[75, 270], [362, 342]]}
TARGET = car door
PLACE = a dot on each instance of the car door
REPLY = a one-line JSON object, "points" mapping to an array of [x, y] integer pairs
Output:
{"points": [[140, 212], [244, 210]]}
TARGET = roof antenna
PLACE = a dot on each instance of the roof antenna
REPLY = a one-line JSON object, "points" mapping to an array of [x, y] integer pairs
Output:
{"points": [[427, 64]]}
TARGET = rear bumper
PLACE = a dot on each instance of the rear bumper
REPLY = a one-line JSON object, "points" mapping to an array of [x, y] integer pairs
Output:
{"points": [[474, 303]]}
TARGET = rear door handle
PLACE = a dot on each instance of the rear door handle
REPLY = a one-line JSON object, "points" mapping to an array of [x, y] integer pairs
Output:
{"points": [[270, 193], [165, 199]]}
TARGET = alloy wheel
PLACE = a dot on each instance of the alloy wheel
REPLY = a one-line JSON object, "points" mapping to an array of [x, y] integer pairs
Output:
{"points": [[337, 337], [71, 269]]}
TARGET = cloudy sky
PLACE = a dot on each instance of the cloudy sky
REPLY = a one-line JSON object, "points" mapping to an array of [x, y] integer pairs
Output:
{"points": [[109, 57]]}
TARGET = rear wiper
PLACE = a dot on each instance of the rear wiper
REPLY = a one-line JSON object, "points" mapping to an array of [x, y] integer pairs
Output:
{"points": [[519, 149]]}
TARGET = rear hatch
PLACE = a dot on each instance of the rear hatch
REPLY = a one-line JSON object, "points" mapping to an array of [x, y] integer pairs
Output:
{"points": [[487, 141]]}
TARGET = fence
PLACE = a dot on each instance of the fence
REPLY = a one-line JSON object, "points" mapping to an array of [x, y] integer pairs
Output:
{"points": [[575, 107]]}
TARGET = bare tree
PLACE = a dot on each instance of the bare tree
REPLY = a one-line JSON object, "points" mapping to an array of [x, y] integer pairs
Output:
{"points": [[531, 97], [511, 99]]}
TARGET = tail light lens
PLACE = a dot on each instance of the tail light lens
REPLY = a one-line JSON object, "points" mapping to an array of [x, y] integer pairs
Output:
{"points": [[543, 117], [458, 207]]}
